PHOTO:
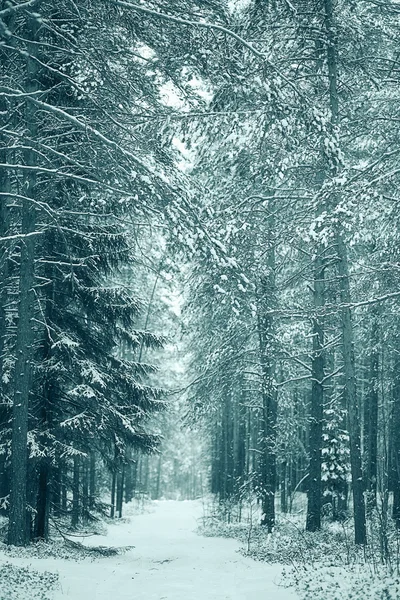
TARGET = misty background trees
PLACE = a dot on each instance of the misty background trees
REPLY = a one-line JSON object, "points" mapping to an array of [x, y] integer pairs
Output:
{"points": [[199, 265]]}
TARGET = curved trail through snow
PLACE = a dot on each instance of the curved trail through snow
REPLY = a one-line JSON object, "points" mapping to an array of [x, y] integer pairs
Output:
{"points": [[170, 562]]}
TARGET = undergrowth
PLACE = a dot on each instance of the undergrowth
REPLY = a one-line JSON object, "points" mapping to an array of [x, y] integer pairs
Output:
{"points": [[323, 565], [25, 583]]}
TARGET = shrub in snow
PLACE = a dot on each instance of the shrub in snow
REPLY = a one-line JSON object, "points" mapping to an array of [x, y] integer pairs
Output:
{"points": [[338, 583], [24, 583]]}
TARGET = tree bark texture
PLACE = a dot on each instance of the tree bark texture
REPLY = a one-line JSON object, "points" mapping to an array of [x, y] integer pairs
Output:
{"points": [[267, 303], [314, 490], [360, 531], [17, 530], [76, 504], [371, 401]]}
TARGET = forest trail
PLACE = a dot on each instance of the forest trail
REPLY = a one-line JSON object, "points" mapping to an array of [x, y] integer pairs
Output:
{"points": [[170, 562]]}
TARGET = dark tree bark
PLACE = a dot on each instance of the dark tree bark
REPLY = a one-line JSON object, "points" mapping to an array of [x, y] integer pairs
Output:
{"points": [[371, 417], [4, 261], [284, 495], [46, 405], [76, 504], [314, 483], [17, 530], [4, 266], [395, 435], [158, 480], [85, 490], [42, 502], [113, 491], [64, 498], [360, 530], [92, 481], [120, 489], [267, 343], [131, 475], [56, 489]]}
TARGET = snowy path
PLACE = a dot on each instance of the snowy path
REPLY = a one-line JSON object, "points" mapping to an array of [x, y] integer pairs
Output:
{"points": [[169, 562]]}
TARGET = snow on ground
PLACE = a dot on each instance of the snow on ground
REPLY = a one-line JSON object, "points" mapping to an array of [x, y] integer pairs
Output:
{"points": [[169, 562]]}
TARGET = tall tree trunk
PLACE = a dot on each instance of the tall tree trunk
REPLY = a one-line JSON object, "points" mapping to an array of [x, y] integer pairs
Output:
{"points": [[85, 490], [130, 476], [395, 439], [113, 489], [42, 502], [64, 496], [4, 266], [75, 492], [284, 503], [267, 304], [158, 480], [4, 251], [360, 531], [371, 417], [314, 490], [56, 489], [46, 403], [17, 530], [120, 489], [92, 481]]}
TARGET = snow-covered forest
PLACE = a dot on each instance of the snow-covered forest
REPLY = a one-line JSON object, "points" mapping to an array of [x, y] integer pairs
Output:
{"points": [[199, 299]]}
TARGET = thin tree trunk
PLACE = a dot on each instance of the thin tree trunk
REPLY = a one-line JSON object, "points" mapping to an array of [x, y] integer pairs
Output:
{"points": [[314, 495], [395, 441], [158, 481], [360, 531], [284, 504], [56, 490], [371, 418], [46, 401], [129, 476], [75, 493], [64, 499], [113, 488], [92, 481], [42, 503], [120, 489], [269, 390], [85, 490], [4, 266]]}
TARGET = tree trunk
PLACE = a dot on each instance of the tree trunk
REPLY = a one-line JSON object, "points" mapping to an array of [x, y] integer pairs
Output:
{"points": [[345, 296], [75, 493], [4, 254], [395, 439], [314, 482], [4, 264], [17, 529], [284, 503], [64, 498], [267, 303], [113, 488], [17, 534], [92, 481], [360, 531], [158, 480], [130, 476], [120, 489], [56, 486], [42, 503], [85, 490], [371, 417]]}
